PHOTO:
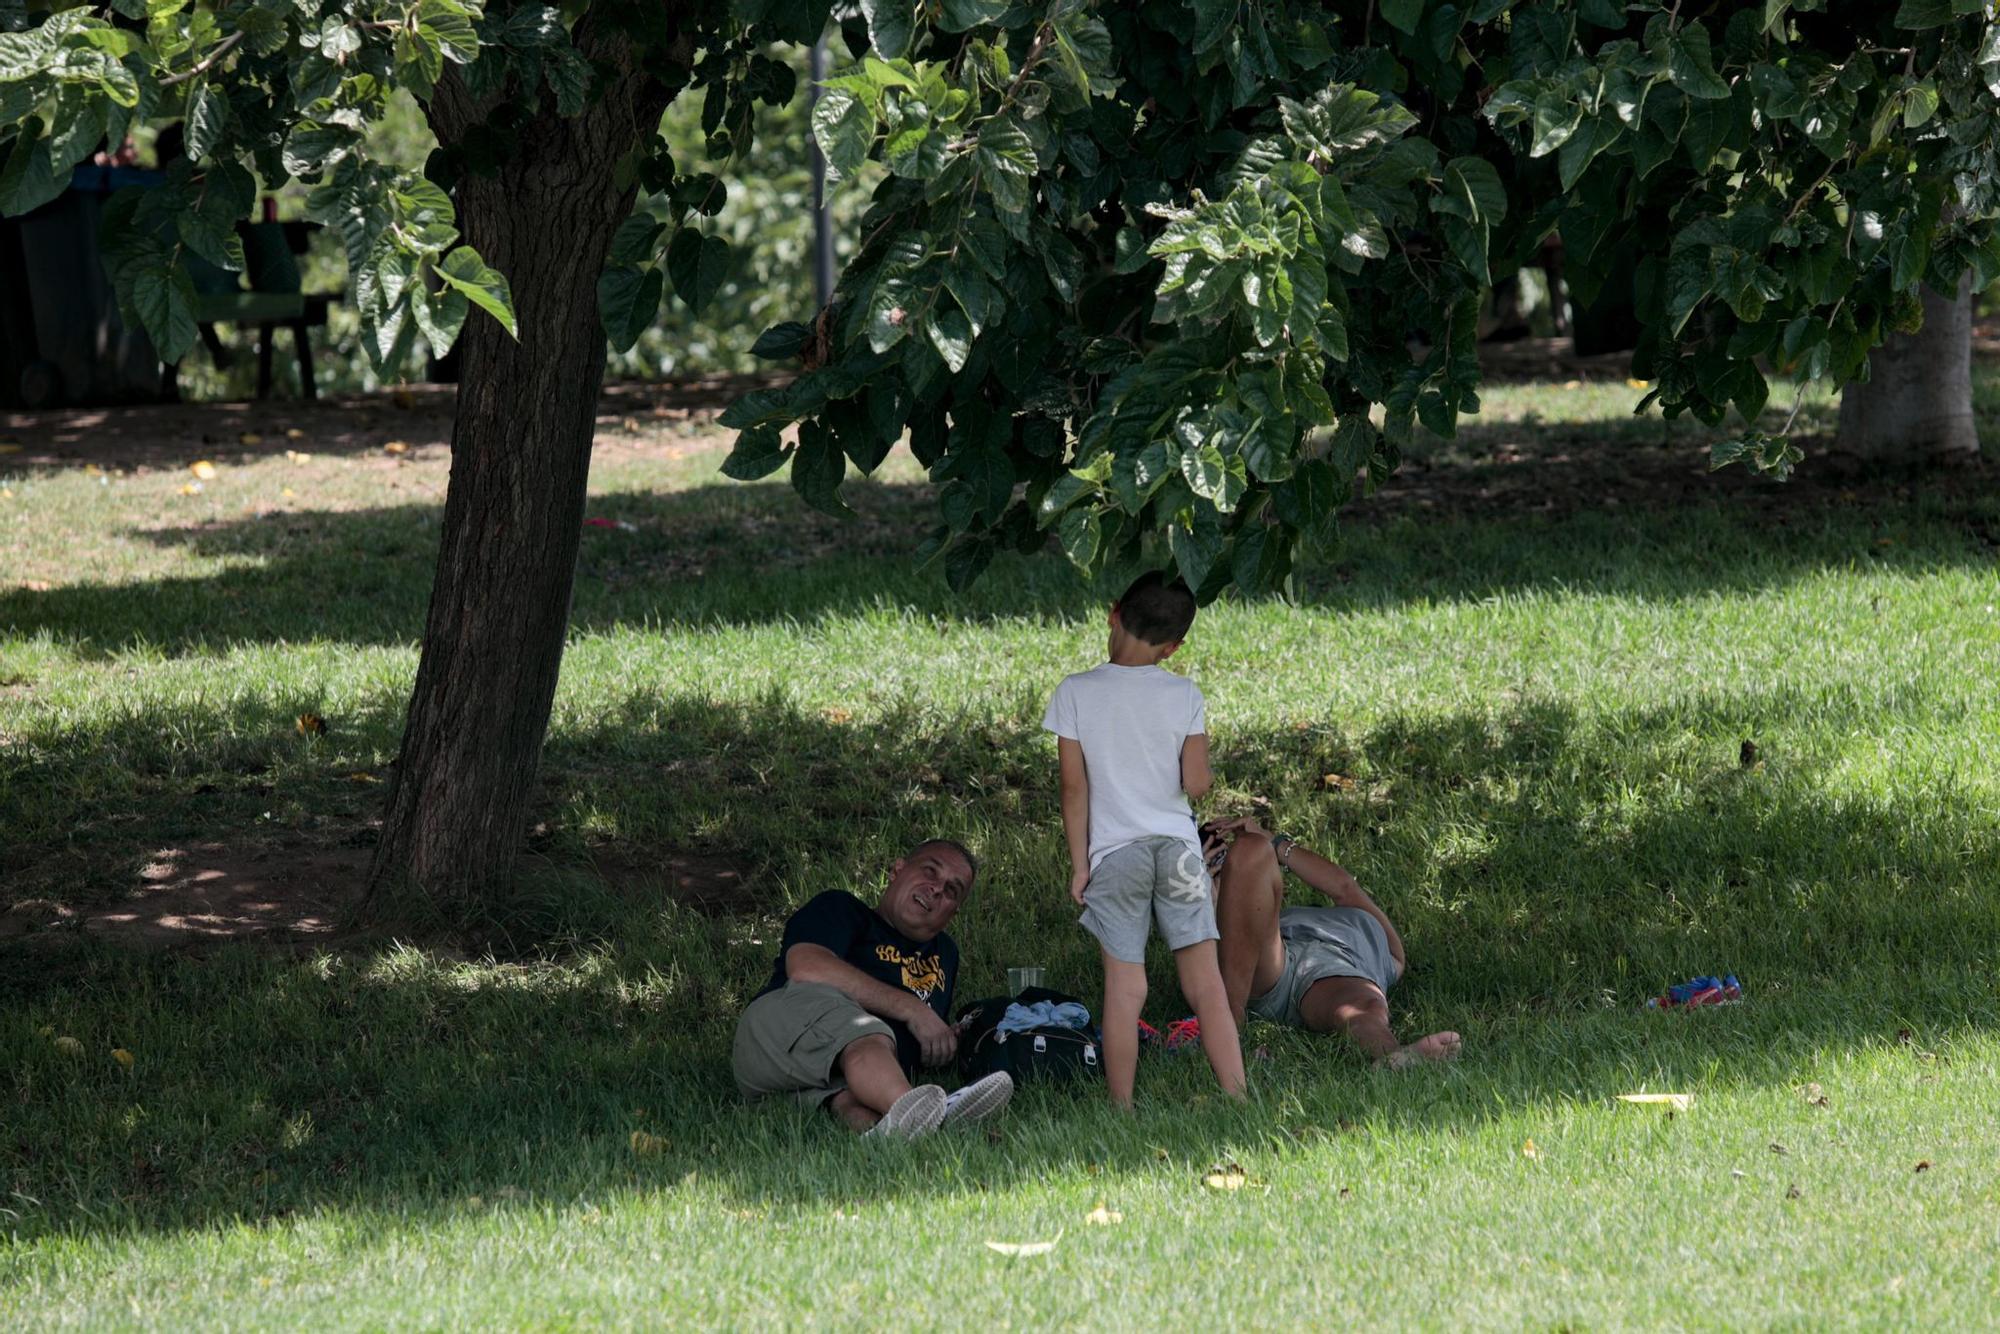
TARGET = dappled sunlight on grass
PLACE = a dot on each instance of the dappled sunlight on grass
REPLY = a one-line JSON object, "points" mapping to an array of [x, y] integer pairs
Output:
{"points": [[1584, 729]]}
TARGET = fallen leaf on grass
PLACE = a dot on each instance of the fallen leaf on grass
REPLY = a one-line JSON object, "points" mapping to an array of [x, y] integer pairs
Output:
{"points": [[1635, 383], [294, 433], [250, 438], [287, 494], [203, 469], [1923, 1165], [363, 778], [191, 488], [396, 447], [1778, 1148], [1228, 1176], [1792, 1192], [298, 456], [10, 448], [311, 724], [69, 1046], [837, 715], [1103, 1217], [1528, 1150], [1680, 1102], [646, 1145], [1337, 783], [123, 1057], [1814, 1096], [1023, 1248]]}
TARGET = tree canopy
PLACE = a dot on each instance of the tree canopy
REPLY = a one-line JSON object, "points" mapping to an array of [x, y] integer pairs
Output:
{"points": [[1180, 268]]}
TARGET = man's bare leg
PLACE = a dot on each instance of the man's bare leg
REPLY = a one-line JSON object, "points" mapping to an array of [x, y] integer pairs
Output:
{"points": [[1202, 985], [1358, 1008], [1248, 893], [874, 1081]]}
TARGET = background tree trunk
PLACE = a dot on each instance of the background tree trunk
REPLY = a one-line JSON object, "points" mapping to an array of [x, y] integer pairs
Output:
{"points": [[521, 440], [1917, 400]]}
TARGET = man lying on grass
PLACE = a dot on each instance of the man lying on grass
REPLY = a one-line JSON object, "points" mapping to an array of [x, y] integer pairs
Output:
{"points": [[857, 1003], [1325, 970]]}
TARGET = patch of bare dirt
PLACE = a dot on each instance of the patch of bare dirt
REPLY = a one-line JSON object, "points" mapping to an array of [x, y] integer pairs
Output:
{"points": [[208, 892], [713, 886]]}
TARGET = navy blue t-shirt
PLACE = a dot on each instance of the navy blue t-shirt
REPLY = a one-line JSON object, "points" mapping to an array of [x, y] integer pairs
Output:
{"points": [[857, 934]]}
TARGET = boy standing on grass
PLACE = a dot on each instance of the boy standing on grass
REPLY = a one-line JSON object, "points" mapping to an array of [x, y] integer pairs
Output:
{"points": [[1132, 739]]}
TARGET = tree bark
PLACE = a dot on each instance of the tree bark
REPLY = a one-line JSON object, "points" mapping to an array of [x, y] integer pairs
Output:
{"points": [[521, 441], [1917, 401]]}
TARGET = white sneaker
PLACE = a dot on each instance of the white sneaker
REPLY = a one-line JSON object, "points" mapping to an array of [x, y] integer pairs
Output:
{"points": [[976, 1102], [917, 1112]]}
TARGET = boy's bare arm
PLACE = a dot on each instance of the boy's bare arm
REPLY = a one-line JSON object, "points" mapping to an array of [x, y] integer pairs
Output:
{"points": [[1196, 778], [1075, 813]]}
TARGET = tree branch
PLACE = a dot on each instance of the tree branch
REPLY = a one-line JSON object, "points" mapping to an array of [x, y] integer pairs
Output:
{"points": [[207, 62]]}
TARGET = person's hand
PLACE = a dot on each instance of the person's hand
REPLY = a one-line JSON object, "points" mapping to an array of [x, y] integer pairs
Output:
{"points": [[1079, 877], [1242, 824], [937, 1040]]}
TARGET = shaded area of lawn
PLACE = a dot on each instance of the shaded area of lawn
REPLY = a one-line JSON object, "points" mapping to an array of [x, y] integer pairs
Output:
{"points": [[734, 554]]}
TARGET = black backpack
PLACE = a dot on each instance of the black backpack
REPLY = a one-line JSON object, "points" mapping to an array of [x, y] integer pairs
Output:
{"points": [[1038, 1054]]}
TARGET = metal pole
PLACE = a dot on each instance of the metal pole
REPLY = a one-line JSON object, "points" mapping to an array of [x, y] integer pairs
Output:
{"points": [[822, 217]]}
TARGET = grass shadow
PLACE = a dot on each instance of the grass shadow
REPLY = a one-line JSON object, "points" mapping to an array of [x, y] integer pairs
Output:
{"points": [[1542, 897]]}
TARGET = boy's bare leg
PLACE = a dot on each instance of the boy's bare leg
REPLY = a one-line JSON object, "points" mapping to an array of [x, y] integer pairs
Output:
{"points": [[1248, 894], [1124, 997], [1201, 983], [1358, 1008], [874, 1081]]}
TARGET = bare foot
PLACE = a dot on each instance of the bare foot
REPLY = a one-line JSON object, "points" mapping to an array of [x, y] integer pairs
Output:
{"points": [[1437, 1047]]}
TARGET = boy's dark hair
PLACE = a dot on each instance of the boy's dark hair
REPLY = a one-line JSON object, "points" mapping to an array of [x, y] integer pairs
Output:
{"points": [[1156, 610], [971, 862]]}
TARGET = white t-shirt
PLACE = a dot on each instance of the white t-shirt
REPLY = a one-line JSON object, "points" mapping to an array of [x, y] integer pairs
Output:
{"points": [[1131, 722]]}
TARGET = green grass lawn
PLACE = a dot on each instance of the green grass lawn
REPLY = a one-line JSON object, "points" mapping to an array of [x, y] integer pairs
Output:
{"points": [[1537, 658]]}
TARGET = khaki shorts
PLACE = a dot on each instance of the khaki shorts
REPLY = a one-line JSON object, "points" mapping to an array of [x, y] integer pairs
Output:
{"points": [[790, 1040], [1322, 943], [1156, 879]]}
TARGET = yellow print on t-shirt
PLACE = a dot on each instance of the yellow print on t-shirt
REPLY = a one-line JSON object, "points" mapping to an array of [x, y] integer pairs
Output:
{"points": [[922, 973]]}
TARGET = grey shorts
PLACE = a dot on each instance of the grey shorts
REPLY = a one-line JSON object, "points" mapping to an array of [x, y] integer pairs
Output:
{"points": [[1322, 943], [1158, 878], [788, 1041]]}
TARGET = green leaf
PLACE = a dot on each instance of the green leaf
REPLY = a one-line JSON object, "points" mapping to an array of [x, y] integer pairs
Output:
{"points": [[484, 286], [818, 465], [889, 25], [208, 114], [1473, 191], [959, 15], [844, 128], [1690, 64], [1917, 15], [440, 315], [950, 333], [627, 300], [698, 265], [966, 561], [759, 452], [1919, 105], [29, 180], [1196, 547], [164, 300], [633, 243], [1080, 533], [781, 342], [1403, 15]]}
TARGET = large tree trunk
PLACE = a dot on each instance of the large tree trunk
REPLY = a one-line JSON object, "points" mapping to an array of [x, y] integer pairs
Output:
{"points": [[499, 611], [1917, 401]]}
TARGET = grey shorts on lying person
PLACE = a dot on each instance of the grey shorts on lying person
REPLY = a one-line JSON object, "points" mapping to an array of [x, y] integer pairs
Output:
{"points": [[790, 1040], [1322, 943]]}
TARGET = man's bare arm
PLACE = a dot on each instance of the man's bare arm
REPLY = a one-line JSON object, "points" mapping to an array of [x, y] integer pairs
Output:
{"points": [[816, 963], [1332, 879]]}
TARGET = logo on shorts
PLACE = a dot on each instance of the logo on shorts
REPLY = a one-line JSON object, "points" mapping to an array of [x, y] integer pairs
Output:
{"points": [[1189, 881]]}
